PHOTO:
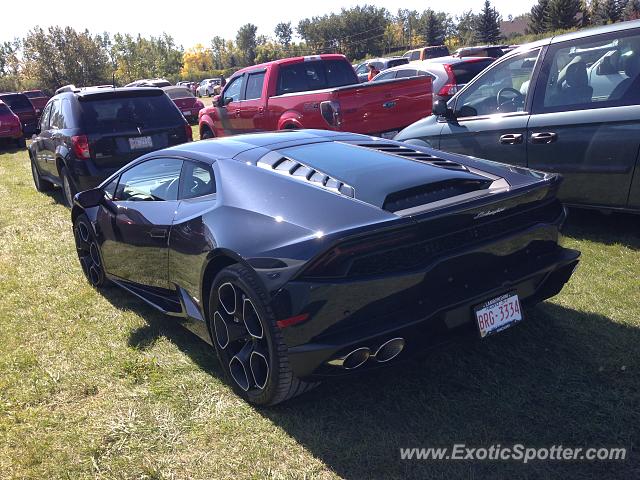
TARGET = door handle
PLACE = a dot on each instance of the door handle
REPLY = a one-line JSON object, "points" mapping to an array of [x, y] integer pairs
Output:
{"points": [[237, 112], [158, 233], [511, 138], [544, 137], [260, 109]]}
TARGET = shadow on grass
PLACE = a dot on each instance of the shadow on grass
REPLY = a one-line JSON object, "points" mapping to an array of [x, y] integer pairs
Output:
{"points": [[592, 225], [556, 379]]}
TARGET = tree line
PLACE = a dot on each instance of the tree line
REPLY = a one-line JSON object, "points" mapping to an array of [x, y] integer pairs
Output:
{"points": [[49, 58]]}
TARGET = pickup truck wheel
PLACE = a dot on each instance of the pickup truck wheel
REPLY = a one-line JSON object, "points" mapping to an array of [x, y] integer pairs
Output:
{"points": [[247, 340], [206, 133]]}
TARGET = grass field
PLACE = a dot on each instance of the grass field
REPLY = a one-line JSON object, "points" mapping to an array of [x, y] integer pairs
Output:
{"points": [[101, 386]]}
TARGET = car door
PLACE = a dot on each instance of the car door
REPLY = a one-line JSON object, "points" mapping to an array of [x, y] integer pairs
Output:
{"points": [[586, 127], [491, 113], [135, 222], [47, 140], [253, 108], [40, 152], [229, 108]]}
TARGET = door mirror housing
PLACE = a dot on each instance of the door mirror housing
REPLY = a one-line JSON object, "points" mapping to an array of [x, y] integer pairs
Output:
{"points": [[90, 198], [441, 109]]}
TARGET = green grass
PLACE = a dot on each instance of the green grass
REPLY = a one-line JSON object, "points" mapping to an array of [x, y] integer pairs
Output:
{"points": [[101, 386]]}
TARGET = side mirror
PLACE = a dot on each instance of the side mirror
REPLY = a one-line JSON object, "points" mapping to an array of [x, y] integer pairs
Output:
{"points": [[37, 131], [441, 109], [226, 101], [90, 198]]}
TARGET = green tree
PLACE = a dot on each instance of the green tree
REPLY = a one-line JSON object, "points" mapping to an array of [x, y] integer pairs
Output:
{"points": [[465, 29], [487, 28], [612, 10], [539, 18], [284, 32], [247, 43], [563, 14], [632, 10], [435, 27]]}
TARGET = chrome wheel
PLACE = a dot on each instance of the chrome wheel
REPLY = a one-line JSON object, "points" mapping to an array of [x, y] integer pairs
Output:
{"points": [[239, 333], [88, 252]]}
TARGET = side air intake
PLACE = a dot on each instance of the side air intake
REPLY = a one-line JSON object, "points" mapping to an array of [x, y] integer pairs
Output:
{"points": [[410, 153], [283, 165]]}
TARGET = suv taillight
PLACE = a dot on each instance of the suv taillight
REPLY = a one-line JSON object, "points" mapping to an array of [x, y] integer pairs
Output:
{"points": [[330, 111], [189, 132], [80, 144], [451, 87]]}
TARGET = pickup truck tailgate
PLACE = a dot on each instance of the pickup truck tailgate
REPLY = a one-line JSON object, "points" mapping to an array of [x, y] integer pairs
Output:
{"points": [[385, 106]]}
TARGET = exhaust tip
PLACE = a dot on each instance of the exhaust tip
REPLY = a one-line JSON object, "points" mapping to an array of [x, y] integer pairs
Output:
{"points": [[353, 359], [389, 350]]}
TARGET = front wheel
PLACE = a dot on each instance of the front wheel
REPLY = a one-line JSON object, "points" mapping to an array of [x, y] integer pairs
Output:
{"points": [[206, 133], [89, 253], [247, 340], [41, 184]]}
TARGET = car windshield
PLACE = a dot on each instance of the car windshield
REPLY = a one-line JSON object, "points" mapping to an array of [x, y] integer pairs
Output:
{"points": [[124, 113], [34, 94], [175, 93], [16, 101]]}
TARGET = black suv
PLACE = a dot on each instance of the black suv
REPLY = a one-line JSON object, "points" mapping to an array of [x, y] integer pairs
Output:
{"points": [[85, 135]]}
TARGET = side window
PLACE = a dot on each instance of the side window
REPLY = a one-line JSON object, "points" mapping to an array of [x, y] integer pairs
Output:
{"points": [[55, 118], [588, 73], [406, 73], [233, 90], [255, 81], [501, 89], [44, 119], [414, 56], [196, 180], [386, 76], [153, 180], [362, 68], [110, 188]]}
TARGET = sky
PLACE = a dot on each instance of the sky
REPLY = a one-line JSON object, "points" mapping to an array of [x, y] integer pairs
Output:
{"points": [[192, 22]]}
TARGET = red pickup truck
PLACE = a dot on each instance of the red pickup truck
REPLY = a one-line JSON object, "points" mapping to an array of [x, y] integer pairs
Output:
{"points": [[320, 92]]}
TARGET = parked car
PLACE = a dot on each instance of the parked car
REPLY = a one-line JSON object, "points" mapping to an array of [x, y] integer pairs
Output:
{"points": [[186, 102], [381, 64], [569, 104], [308, 254], [320, 91], [38, 99], [449, 74], [208, 87], [22, 107], [150, 82], [10, 126], [426, 53], [87, 134], [493, 51]]}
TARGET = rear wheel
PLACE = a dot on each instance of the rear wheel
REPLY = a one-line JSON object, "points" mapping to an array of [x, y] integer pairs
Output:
{"points": [[247, 340], [41, 184], [89, 252], [68, 190]]}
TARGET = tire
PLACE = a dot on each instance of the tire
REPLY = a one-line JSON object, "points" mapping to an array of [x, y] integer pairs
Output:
{"points": [[68, 189], [206, 133], [41, 184], [248, 343], [89, 253]]}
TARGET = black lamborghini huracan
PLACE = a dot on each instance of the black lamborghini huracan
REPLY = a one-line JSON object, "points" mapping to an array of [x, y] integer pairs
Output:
{"points": [[305, 254]]}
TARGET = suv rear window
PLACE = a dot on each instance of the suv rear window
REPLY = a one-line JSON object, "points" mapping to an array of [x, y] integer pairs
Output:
{"points": [[34, 94], [126, 112], [177, 92], [466, 71], [397, 61], [436, 52], [4, 109], [305, 76], [16, 101]]}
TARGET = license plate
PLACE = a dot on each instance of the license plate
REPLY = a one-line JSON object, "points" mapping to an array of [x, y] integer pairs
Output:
{"points": [[497, 314], [186, 112], [389, 135], [140, 142]]}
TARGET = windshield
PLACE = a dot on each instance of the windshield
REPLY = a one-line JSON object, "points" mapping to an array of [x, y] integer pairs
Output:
{"points": [[175, 93], [17, 101], [125, 113]]}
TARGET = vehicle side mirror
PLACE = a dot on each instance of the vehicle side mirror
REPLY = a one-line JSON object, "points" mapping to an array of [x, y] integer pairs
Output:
{"points": [[37, 131], [441, 109], [90, 198], [226, 101]]}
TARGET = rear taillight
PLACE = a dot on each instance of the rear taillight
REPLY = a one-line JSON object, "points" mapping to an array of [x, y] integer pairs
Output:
{"points": [[80, 144], [337, 260], [451, 87], [330, 111], [189, 132]]}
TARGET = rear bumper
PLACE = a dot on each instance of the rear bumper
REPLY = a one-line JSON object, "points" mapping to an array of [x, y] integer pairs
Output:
{"points": [[426, 307], [86, 175]]}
